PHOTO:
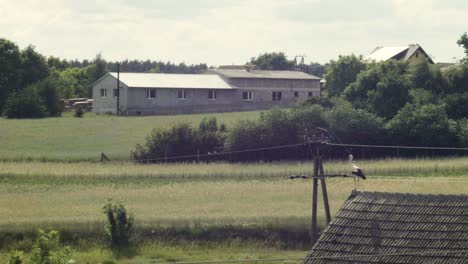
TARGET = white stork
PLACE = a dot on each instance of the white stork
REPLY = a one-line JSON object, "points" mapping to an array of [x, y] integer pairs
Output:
{"points": [[355, 169]]}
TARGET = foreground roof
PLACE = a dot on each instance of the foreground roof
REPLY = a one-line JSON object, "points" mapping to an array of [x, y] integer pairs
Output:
{"points": [[165, 80], [389, 224], [260, 74]]}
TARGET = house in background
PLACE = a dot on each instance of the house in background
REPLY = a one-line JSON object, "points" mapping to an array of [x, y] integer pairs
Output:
{"points": [[240, 88], [375, 227], [411, 53]]}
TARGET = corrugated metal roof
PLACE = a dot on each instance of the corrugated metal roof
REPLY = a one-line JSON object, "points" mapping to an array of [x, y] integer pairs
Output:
{"points": [[260, 74], [381, 224], [386, 53], [165, 80]]}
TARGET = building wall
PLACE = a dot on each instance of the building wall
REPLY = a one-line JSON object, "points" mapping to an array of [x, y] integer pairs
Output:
{"points": [[134, 101], [108, 104]]}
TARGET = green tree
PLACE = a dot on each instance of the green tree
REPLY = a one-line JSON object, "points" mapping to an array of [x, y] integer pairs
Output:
{"points": [[428, 76], [353, 125], [463, 42], [119, 224], [34, 67], [426, 125], [457, 105], [381, 89], [47, 90], [25, 104], [10, 63], [273, 61], [342, 72], [457, 77]]}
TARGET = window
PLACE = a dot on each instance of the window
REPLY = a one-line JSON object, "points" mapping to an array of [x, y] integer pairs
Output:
{"points": [[103, 93], [276, 96], [181, 94], [116, 93], [310, 94], [150, 93], [296, 94], [247, 96], [211, 95]]}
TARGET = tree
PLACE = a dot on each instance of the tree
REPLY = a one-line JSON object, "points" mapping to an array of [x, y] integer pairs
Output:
{"points": [[34, 67], [381, 89], [47, 90], [463, 42], [342, 72], [25, 104], [457, 77], [426, 125], [456, 105], [273, 61], [10, 62], [429, 77]]}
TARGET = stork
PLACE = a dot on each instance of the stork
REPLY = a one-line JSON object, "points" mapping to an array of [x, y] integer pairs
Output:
{"points": [[355, 169]]}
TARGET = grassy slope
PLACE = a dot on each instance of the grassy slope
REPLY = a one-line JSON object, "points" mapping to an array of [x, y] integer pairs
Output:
{"points": [[68, 138]]}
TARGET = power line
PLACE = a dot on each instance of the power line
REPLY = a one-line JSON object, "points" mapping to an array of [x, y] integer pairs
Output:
{"points": [[394, 147], [353, 256], [220, 153]]}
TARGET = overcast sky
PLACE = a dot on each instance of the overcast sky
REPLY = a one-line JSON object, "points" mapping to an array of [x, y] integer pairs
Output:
{"points": [[232, 31]]}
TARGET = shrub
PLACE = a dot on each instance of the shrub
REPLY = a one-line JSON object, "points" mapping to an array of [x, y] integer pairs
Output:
{"points": [[119, 224], [47, 249], [25, 104], [16, 257], [79, 112]]}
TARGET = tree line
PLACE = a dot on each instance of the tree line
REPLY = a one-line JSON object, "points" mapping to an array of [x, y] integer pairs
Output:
{"points": [[383, 103], [32, 85]]}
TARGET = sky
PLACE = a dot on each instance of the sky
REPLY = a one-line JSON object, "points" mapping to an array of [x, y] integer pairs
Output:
{"points": [[219, 32]]}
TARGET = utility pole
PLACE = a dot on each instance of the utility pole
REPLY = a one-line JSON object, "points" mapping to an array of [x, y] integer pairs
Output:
{"points": [[302, 63], [118, 89]]}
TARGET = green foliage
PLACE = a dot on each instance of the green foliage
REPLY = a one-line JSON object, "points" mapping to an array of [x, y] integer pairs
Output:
{"points": [[181, 140], [10, 62], [462, 132], [420, 96], [16, 257], [119, 224], [426, 125], [342, 72], [463, 42], [428, 76], [47, 249], [381, 89], [457, 105], [34, 67], [457, 77], [355, 125], [25, 104], [47, 90], [273, 61]]}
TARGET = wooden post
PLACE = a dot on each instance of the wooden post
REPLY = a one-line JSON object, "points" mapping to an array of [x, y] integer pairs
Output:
{"points": [[324, 192], [313, 229]]}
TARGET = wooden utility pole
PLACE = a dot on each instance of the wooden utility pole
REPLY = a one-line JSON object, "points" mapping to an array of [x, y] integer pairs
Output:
{"points": [[318, 174]]}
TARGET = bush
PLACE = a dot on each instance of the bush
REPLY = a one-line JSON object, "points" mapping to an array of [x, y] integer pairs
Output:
{"points": [[25, 104], [182, 140], [16, 257], [79, 112], [47, 249], [119, 226]]}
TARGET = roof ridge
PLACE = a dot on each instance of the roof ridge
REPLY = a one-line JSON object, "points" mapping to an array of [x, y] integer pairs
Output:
{"points": [[359, 192]]}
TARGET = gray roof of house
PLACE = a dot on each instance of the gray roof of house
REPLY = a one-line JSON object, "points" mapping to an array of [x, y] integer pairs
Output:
{"points": [[165, 80], [260, 74], [386, 53], [388, 224]]}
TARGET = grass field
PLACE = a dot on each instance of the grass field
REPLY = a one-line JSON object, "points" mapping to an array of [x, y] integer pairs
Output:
{"points": [[69, 139], [213, 204]]}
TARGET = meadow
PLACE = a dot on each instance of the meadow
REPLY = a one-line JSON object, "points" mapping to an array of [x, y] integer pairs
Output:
{"points": [[69, 138], [224, 210]]}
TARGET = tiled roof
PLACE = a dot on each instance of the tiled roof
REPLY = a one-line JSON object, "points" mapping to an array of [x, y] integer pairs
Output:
{"points": [[371, 223], [166, 80]]}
